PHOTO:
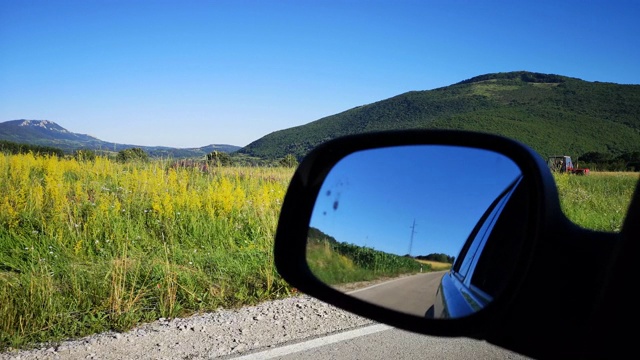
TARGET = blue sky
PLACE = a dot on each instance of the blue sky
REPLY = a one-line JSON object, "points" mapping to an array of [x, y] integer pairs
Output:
{"points": [[372, 198], [192, 73]]}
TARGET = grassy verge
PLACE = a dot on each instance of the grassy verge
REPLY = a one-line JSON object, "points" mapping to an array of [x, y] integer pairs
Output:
{"points": [[92, 246], [332, 267], [340, 263], [598, 201]]}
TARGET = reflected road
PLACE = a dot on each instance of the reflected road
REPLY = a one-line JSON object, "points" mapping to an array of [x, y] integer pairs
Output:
{"points": [[412, 294]]}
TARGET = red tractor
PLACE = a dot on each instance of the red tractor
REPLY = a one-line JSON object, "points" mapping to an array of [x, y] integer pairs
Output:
{"points": [[563, 164]]}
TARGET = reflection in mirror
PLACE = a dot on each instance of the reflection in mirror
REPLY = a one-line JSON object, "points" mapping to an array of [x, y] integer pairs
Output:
{"points": [[389, 226]]}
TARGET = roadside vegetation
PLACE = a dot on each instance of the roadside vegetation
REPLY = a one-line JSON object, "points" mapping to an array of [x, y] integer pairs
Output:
{"points": [[598, 201], [336, 262], [90, 244], [436, 265]]}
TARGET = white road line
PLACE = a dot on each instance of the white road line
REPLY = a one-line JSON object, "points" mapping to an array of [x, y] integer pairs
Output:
{"points": [[370, 287], [326, 340], [384, 283]]}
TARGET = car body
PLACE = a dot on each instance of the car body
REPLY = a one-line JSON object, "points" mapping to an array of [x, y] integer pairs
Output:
{"points": [[470, 284]]}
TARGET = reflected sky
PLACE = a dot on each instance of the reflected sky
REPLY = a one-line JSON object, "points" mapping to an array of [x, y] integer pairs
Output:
{"points": [[372, 198]]}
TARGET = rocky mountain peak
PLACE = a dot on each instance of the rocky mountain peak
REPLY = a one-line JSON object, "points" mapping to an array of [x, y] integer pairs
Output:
{"points": [[45, 124]]}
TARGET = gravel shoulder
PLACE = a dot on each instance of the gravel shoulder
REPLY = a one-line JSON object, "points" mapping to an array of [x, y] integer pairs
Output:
{"points": [[219, 334]]}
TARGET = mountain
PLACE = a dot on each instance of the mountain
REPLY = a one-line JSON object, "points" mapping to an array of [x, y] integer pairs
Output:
{"points": [[553, 114], [48, 133]]}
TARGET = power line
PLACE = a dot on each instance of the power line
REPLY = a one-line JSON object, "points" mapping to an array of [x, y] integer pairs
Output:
{"points": [[413, 231]]}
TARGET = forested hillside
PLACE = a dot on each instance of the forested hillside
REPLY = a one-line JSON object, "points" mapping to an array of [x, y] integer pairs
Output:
{"points": [[551, 113]]}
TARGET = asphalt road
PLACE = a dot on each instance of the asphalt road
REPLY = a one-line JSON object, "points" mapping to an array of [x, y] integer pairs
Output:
{"points": [[382, 342], [411, 294]]}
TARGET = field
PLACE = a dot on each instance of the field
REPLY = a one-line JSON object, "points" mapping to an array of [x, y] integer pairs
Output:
{"points": [[598, 201], [339, 263], [92, 246], [435, 265]]}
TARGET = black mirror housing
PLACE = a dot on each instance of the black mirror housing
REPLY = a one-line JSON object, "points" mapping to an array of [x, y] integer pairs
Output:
{"points": [[291, 235]]}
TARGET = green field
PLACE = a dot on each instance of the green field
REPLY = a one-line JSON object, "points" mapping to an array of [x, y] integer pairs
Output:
{"points": [[92, 246], [598, 201], [339, 263], [87, 247]]}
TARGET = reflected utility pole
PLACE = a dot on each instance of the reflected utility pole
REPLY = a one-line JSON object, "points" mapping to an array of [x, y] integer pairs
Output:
{"points": [[413, 231]]}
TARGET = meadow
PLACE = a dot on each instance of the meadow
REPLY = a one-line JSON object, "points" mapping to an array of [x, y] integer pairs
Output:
{"points": [[598, 201], [91, 246], [435, 265]]}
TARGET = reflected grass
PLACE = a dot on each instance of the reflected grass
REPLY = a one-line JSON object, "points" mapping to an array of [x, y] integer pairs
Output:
{"points": [[341, 263], [435, 265]]}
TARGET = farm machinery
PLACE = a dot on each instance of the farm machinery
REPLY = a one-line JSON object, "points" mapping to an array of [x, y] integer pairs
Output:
{"points": [[563, 164]]}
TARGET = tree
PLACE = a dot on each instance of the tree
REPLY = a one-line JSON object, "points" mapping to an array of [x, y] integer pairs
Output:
{"points": [[10, 147], [84, 155], [595, 157], [631, 160], [288, 161], [132, 154], [219, 158]]}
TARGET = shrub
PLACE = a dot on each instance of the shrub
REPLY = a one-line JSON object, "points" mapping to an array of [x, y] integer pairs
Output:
{"points": [[219, 158], [132, 154], [289, 161], [84, 155]]}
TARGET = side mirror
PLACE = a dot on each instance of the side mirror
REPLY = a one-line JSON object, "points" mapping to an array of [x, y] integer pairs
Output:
{"points": [[357, 205], [389, 222], [411, 226]]}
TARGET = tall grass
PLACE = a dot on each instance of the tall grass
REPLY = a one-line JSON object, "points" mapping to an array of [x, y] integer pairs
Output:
{"points": [[598, 201], [339, 262], [331, 267], [94, 246]]}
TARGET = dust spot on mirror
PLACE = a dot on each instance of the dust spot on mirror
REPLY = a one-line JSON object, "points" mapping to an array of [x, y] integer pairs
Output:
{"points": [[405, 216]]}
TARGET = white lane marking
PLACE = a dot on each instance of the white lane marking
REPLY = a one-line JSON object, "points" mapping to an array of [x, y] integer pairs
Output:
{"points": [[371, 287], [326, 340], [386, 282]]}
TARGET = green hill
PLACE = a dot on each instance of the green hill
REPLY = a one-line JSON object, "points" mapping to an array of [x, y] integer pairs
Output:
{"points": [[553, 114]]}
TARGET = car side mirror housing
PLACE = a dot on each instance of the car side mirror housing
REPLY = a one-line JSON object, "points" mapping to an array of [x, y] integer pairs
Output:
{"points": [[357, 202], [373, 209]]}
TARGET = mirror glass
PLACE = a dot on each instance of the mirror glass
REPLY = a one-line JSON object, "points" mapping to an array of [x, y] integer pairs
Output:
{"points": [[394, 225]]}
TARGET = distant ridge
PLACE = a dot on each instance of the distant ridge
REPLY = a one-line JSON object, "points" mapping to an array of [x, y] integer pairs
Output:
{"points": [[525, 76], [553, 114], [49, 133]]}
